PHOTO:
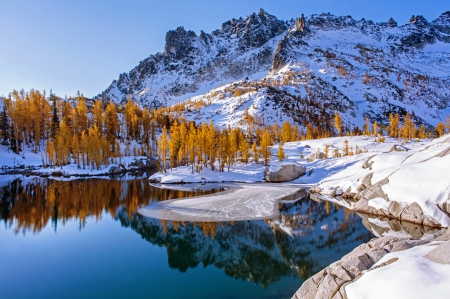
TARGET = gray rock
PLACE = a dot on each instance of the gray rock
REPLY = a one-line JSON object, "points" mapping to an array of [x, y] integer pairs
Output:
{"points": [[413, 213], [327, 288], [356, 265], [445, 206], [337, 192], [331, 282], [398, 148], [440, 254], [377, 255], [315, 189], [309, 287], [368, 163], [444, 238], [404, 244], [315, 156], [395, 209], [337, 270], [286, 173], [115, 170], [367, 180]]}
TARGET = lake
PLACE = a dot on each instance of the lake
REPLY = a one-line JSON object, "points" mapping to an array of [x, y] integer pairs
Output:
{"points": [[84, 239]]}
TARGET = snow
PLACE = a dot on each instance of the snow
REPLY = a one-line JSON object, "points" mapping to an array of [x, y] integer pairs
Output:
{"points": [[411, 276], [242, 202], [27, 159], [379, 203], [249, 173], [414, 176]]}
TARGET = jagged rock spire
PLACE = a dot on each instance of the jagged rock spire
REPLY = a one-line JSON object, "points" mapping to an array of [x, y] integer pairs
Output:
{"points": [[391, 22]]}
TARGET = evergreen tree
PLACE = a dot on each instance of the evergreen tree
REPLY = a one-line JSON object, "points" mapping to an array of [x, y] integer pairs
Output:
{"points": [[4, 125], [338, 123]]}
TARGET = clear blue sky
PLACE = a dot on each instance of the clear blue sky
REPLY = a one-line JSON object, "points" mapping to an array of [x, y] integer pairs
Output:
{"points": [[84, 44]]}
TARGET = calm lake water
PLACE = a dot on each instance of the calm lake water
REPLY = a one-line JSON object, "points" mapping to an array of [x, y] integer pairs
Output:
{"points": [[84, 239]]}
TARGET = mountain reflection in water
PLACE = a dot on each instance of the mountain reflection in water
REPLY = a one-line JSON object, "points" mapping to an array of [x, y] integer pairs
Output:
{"points": [[306, 237]]}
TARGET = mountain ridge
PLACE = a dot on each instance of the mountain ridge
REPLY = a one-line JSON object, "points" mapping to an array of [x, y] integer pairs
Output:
{"points": [[402, 68]]}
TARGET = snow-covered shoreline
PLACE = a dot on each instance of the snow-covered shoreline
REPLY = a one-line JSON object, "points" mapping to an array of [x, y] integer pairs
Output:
{"points": [[411, 185], [386, 267]]}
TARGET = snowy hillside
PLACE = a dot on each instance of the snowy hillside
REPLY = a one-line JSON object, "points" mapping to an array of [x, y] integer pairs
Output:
{"points": [[304, 70]]}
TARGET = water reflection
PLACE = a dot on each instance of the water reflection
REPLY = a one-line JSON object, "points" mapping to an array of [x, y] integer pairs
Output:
{"points": [[307, 236], [29, 204]]}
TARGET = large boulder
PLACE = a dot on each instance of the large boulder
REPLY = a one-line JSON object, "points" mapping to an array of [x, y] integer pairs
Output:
{"points": [[115, 170], [284, 172]]}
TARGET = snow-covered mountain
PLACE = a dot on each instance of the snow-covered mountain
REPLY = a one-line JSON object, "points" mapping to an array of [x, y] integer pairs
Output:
{"points": [[303, 70]]}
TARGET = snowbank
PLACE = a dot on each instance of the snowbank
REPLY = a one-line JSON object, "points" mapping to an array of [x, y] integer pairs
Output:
{"points": [[411, 276], [248, 173], [418, 176]]}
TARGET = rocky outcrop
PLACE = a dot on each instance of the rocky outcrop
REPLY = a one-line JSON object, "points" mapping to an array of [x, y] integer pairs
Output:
{"points": [[315, 156], [330, 283], [398, 148], [440, 254], [284, 172], [368, 194]]}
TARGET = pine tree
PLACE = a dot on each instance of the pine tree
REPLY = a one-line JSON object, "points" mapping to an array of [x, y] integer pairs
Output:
{"points": [[327, 147], [338, 123], [345, 150], [408, 128], [4, 125], [286, 131], [280, 152], [255, 153], [163, 144], [447, 123], [55, 119], [440, 128], [375, 129], [112, 126], [265, 146]]}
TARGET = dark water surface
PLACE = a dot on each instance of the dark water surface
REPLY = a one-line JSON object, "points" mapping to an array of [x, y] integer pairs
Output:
{"points": [[84, 239]]}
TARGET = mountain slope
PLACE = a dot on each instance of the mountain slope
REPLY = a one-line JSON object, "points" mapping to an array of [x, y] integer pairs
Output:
{"points": [[303, 70]]}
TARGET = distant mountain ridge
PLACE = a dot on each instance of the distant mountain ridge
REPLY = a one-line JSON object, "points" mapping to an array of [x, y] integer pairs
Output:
{"points": [[358, 68]]}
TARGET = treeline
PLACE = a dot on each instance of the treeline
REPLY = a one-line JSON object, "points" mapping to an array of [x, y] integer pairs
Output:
{"points": [[76, 130], [93, 133], [204, 145]]}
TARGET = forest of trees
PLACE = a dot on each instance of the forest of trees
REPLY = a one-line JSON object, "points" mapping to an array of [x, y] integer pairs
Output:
{"points": [[92, 133]]}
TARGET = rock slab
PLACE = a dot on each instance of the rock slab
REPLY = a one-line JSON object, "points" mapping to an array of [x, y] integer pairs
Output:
{"points": [[330, 282], [284, 173]]}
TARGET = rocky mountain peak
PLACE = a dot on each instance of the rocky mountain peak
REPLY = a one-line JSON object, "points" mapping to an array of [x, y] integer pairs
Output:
{"points": [[442, 23], [300, 24], [418, 21], [330, 21], [179, 42], [391, 22], [255, 30]]}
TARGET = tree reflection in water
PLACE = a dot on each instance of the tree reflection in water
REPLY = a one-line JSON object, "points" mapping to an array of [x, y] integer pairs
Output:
{"points": [[306, 237], [28, 205]]}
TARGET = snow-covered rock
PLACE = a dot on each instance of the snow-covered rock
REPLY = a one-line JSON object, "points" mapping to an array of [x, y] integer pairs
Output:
{"points": [[412, 186], [284, 172], [398, 148], [380, 267]]}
